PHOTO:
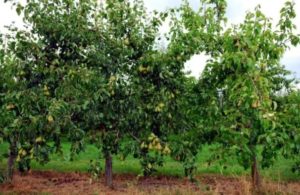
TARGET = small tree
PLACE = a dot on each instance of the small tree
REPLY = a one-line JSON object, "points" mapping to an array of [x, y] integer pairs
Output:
{"points": [[163, 117], [127, 35], [75, 60], [193, 32], [247, 71], [35, 66]]}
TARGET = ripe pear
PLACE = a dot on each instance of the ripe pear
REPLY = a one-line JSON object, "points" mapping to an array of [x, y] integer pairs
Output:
{"points": [[158, 147], [150, 146], [143, 145], [50, 119], [161, 105], [166, 150], [10, 106], [46, 93], [112, 79], [255, 104], [126, 41], [39, 139]]}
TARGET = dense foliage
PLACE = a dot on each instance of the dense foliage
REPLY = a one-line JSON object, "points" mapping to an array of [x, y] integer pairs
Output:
{"points": [[289, 122], [94, 72], [248, 73]]}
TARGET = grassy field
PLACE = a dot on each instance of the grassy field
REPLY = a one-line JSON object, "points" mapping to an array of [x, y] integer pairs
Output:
{"points": [[280, 171]]}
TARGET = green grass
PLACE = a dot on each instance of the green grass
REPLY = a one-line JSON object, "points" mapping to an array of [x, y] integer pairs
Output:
{"points": [[280, 171]]}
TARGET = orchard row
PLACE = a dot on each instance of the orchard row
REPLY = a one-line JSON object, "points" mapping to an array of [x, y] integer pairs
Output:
{"points": [[101, 72]]}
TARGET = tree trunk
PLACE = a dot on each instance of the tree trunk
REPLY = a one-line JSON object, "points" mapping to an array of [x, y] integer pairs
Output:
{"points": [[11, 161], [256, 182], [108, 170]]}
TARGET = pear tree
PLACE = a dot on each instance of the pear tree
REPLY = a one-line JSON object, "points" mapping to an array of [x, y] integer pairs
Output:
{"points": [[247, 118]]}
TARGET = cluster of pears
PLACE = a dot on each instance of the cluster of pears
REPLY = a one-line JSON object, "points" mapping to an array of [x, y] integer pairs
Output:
{"points": [[144, 70], [111, 83], [22, 153], [21, 73], [46, 91], [256, 104], [159, 107], [154, 144], [171, 96]]}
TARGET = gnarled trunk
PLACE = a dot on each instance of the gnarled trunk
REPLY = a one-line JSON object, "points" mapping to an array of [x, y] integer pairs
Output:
{"points": [[11, 161], [256, 181], [108, 170]]}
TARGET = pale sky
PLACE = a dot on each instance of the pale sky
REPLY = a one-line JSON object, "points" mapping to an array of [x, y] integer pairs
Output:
{"points": [[236, 12]]}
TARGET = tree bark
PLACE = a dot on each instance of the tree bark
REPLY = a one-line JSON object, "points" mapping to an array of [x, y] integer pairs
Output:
{"points": [[108, 170], [256, 181], [11, 161]]}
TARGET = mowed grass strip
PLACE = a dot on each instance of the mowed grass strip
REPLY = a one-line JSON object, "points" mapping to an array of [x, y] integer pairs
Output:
{"points": [[280, 171]]}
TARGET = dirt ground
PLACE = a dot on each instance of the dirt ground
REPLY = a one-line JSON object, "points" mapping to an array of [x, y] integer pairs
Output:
{"points": [[47, 182]]}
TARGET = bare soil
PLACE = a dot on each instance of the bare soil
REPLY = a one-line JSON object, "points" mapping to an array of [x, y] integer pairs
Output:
{"points": [[49, 182]]}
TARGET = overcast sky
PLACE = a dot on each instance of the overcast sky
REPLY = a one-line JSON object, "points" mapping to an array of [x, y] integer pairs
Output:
{"points": [[236, 12]]}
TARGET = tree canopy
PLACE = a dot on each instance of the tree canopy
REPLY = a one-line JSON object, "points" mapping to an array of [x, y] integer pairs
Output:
{"points": [[90, 71]]}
